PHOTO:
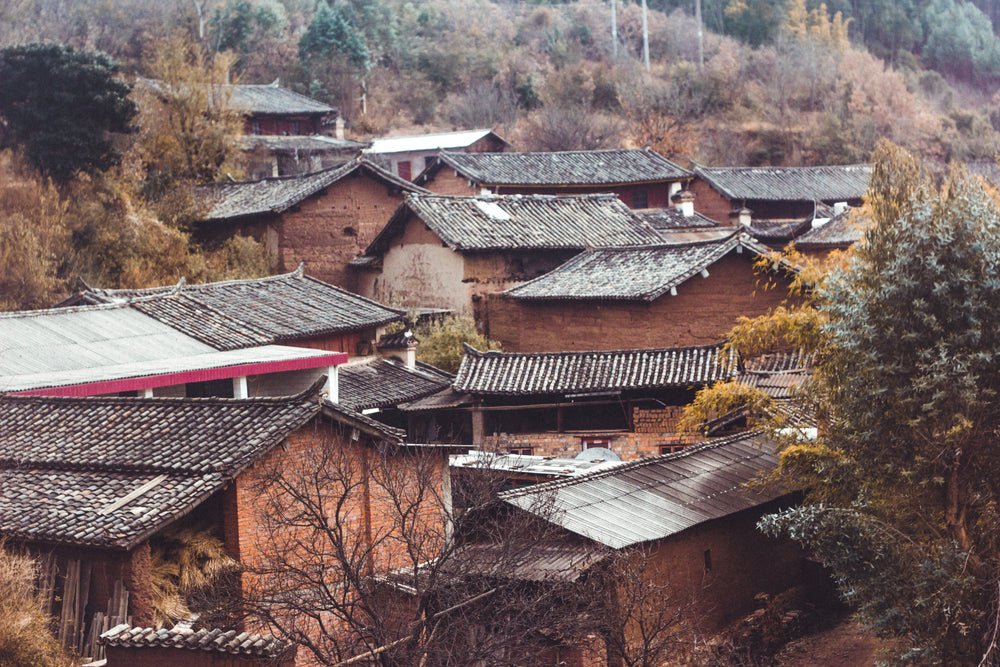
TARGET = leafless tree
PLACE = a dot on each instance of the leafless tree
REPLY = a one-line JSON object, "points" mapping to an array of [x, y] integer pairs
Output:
{"points": [[567, 128], [358, 562]]}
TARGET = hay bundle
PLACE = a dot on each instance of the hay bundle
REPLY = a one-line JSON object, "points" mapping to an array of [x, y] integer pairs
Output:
{"points": [[188, 565]]}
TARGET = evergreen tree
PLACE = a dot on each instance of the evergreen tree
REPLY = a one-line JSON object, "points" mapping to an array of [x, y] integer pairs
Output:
{"points": [[59, 106], [331, 34]]}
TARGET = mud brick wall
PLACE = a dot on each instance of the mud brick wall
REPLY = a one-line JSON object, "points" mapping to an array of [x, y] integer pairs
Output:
{"points": [[701, 314], [628, 446]]}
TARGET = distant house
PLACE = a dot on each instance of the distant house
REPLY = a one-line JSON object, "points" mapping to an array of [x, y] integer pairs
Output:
{"points": [[690, 519], [324, 219], [688, 289], [92, 487], [292, 309], [268, 156], [273, 110], [408, 156], [450, 252], [641, 178], [786, 195], [610, 405], [115, 350]]}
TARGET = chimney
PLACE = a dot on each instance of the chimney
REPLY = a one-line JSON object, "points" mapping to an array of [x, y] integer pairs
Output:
{"points": [[401, 346], [684, 200], [740, 216], [338, 128]]}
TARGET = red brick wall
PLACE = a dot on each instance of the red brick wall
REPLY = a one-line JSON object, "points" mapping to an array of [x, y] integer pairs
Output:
{"points": [[701, 313], [657, 194], [279, 125]]}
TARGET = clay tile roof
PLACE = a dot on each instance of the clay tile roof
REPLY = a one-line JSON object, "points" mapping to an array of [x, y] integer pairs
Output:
{"points": [[632, 274], [664, 219], [242, 313], [506, 222], [841, 230], [655, 498], [506, 373], [273, 99], [827, 183], [778, 231], [605, 167], [226, 201], [381, 383], [108, 472], [231, 642]]}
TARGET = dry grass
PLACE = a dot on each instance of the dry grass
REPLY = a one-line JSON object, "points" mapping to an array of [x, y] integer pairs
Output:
{"points": [[25, 637]]}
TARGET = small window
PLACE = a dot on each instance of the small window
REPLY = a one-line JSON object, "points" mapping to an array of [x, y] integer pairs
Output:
{"points": [[596, 442], [670, 449], [255, 127], [639, 199], [521, 451], [350, 231], [405, 170], [708, 560]]}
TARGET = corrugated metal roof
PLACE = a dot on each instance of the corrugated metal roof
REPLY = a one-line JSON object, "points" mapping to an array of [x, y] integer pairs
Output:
{"points": [[632, 274], [540, 466], [654, 498], [37, 343], [825, 183], [168, 365], [428, 142], [507, 373], [601, 167]]}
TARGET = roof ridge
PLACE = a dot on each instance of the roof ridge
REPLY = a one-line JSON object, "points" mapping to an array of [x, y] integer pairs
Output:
{"points": [[713, 443], [498, 353]]}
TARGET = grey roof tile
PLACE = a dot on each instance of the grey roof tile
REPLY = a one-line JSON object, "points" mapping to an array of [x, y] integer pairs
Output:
{"points": [[665, 219], [841, 230], [68, 465], [230, 642], [242, 313], [631, 274], [602, 167], [508, 373], [227, 201], [381, 383], [507, 222], [825, 183], [654, 498]]}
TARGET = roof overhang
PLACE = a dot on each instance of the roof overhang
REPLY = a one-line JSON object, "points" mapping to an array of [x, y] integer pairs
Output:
{"points": [[165, 372]]}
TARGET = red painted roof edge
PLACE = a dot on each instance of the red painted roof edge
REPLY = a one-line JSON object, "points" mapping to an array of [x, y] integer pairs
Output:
{"points": [[183, 377]]}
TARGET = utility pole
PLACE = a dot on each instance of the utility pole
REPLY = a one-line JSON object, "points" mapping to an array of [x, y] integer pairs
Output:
{"points": [[701, 35], [614, 30], [645, 37]]}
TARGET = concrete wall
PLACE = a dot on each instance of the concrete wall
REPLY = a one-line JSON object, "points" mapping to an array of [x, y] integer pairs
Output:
{"points": [[701, 313]]}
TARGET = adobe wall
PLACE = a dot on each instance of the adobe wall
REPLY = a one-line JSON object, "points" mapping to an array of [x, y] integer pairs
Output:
{"points": [[701, 314], [628, 446], [448, 182], [329, 230], [657, 194], [744, 562], [419, 271], [709, 202]]}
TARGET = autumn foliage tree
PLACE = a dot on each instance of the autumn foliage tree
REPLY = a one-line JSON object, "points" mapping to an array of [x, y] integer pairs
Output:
{"points": [[903, 476]]}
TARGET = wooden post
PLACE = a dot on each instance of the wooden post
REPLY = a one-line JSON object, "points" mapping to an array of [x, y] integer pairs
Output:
{"points": [[477, 426]]}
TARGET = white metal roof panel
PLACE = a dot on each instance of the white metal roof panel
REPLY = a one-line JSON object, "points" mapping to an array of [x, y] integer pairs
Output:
{"points": [[427, 142]]}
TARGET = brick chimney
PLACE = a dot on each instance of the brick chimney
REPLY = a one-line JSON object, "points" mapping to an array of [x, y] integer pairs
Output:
{"points": [[684, 200]]}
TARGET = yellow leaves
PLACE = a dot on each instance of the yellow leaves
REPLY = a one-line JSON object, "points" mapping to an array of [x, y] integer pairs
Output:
{"points": [[817, 24], [781, 330], [721, 399]]}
